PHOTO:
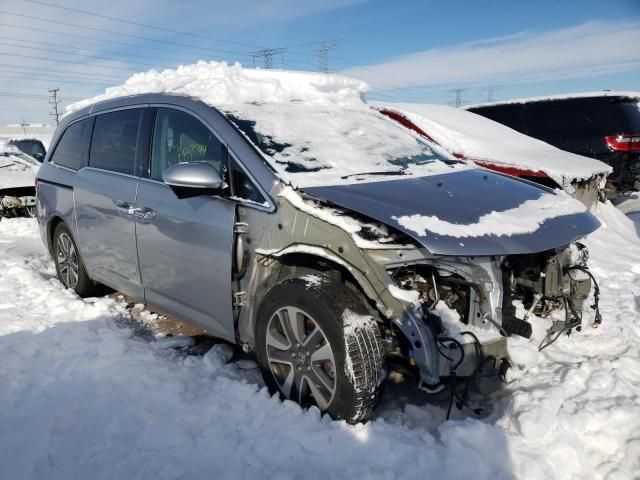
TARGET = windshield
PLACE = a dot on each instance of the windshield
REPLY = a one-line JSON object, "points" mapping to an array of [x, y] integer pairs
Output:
{"points": [[312, 145]]}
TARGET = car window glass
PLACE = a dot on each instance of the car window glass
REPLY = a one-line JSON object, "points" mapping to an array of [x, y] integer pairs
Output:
{"points": [[113, 146], [30, 147], [179, 137], [630, 111], [509, 115], [73, 147], [575, 118], [243, 187]]}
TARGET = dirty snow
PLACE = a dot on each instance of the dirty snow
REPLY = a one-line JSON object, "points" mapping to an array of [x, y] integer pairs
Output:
{"points": [[314, 129], [525, 218], [478, 138], [83, 396]]}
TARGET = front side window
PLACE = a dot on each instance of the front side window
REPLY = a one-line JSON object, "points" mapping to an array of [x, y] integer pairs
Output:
{"points": [[179, 137], [113, 146], [243, 187], [73, 147]]}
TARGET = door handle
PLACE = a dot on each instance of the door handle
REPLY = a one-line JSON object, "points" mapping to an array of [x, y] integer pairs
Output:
{"points": [[124, 208], [142, 213]]}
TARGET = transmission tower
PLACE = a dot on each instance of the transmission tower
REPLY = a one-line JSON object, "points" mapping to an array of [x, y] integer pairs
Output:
{"points": [[490, 92], [55, 102], [321, 50], [267, 55], [458, 101]]}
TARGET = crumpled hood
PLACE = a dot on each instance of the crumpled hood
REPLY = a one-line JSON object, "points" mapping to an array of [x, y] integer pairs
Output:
{"points": [[16, 173], [470, 212]]}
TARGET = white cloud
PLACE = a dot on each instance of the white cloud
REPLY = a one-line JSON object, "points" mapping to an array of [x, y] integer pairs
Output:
{"points": [[589, 49]]}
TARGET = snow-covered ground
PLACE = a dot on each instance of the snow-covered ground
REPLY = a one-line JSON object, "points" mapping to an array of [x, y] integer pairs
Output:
{"points": [[83, 395]]}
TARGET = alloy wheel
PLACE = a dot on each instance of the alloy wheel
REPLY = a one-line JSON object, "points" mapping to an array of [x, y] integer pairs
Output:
{"points": [[300, 358], [67, 260]]}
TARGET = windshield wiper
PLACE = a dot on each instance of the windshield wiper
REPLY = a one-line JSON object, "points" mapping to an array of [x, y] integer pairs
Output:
{"points": [[390, 172]]}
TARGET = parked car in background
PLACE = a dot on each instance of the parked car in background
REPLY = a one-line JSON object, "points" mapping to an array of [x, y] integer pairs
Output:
{"points": [[17, 182], [601, 125], [489, 144], [282, 213], [31, 146]]}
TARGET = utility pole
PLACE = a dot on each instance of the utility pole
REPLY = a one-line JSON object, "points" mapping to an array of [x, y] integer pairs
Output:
{"points": [[55, 102], [267, 56], [321, 50]]}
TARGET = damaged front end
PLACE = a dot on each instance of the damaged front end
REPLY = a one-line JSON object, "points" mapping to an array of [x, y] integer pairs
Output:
{"points": [[468, 306]]}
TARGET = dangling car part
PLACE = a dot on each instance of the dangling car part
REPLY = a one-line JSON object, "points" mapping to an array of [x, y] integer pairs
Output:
{"points": [[17, 182]]}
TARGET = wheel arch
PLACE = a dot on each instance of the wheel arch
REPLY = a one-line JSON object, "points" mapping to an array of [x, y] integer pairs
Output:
{"points": [[296, 263]]}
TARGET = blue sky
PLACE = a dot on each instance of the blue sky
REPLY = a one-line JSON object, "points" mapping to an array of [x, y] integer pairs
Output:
{"points": [[410, 50]]}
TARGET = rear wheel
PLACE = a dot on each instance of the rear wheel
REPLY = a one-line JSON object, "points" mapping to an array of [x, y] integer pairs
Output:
{"points": [[69, 266], [316, 345]]}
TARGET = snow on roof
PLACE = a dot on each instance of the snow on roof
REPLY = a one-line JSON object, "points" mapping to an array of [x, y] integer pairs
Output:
{"points": [[478, 138], [562, 96], [314, 129]]}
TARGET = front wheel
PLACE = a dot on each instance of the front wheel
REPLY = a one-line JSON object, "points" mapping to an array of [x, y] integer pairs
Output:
{"points": [[317, 345]]}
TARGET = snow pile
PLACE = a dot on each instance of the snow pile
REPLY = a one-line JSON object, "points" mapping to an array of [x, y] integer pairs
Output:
{"points": [[81, 396], [525, 218], [314, 129], [475, 137]]}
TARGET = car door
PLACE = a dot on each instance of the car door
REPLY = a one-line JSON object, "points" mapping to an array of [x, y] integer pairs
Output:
{"points": [[185, 243], [104, 198]]}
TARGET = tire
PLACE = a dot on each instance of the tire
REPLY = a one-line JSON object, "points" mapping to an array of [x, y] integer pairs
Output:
{"points": [[344, 382], [68, 261]]}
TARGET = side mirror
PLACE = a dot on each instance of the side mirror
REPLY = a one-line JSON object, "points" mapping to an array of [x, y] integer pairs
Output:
{"points": [[199, 178], [38, 156]]}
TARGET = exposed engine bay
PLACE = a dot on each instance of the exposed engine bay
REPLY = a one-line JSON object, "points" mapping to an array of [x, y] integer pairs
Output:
{"points": [[17, 202], [552, 281]]}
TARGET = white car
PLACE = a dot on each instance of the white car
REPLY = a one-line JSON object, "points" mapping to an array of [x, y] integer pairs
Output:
{"points": [[17, 182], [491, 145]]}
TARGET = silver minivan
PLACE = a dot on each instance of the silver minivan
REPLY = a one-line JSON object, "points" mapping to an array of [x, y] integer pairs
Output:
{"points": [[190, 208]]}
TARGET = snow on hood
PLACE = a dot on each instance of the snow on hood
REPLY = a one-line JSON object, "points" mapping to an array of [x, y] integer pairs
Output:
{"points": [[474, 212], [314, 129], [478, 138]]}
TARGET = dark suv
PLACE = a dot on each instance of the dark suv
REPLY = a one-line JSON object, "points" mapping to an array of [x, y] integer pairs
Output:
{"points": [[605, 126]]}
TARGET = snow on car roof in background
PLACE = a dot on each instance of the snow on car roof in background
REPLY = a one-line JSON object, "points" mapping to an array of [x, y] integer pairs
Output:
{"points": [[562, 96], [478, 138], [16, 168], [314, 129]]}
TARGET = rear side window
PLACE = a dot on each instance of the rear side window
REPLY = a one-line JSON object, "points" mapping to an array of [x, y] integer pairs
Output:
{"points": [[73, 147], [575, 117], [179, 137], [630, 111], [509, 115], [115, 135]]}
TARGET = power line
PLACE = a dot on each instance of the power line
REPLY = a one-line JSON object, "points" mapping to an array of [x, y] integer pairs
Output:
{"points": [[66, 61], [19, 76], [74, 47], [129, 35], [145, 25], [97, 57], [28, 70]]}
